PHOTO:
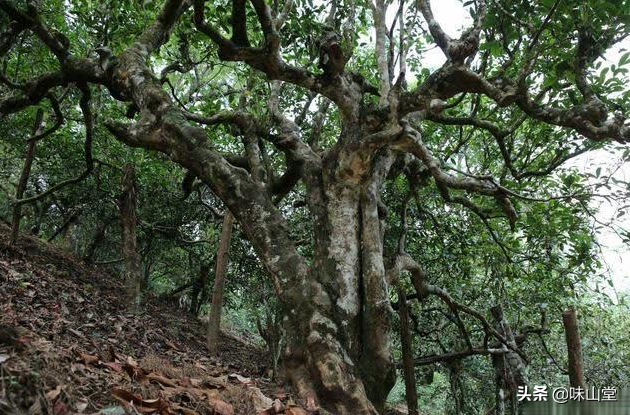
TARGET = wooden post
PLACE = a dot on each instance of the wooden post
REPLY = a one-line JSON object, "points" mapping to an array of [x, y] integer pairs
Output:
{"points": [[574, 348]]}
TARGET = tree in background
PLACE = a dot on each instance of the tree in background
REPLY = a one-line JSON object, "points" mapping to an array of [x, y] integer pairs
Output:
{"points": [[214, 320], [128, 218]]}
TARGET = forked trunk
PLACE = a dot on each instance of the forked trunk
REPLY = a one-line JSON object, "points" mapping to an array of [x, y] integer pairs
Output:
{"points": [[346, 317]]}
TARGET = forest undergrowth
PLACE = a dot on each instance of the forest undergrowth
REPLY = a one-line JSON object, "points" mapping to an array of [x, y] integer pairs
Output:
{"points": [[69, 346]]}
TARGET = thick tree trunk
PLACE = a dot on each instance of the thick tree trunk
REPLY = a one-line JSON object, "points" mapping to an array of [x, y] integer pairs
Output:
{"points": [[338, 306], [406, 342], [26, 172], [338, 303], [214, 321], [133, 269], [574, 348], [347, 348]]}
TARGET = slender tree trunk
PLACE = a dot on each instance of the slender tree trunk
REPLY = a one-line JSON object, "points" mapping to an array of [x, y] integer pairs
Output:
{"points": [[146, 274], [41, 208], [204, 295], [171, 295], [406, 341], [574, 348], [97, 238], [510, 369], [273, 334], [500, 383], [26, 172], [455, 372], [214, 322], [198, 289], [133, 269], [69, 237], [65, 229]]}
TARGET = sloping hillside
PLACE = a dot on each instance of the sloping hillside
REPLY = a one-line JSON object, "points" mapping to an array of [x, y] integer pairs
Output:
{"points": [[67, 345]]}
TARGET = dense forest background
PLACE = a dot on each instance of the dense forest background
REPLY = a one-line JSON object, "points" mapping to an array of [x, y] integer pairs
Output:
{"points": [[429, 225]]}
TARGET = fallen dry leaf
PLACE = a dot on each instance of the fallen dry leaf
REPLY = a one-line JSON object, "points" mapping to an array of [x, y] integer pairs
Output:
{"points": [[236, 378], [283, 396], [184, 411], [258, 399], [82, 406], [278, 406], [126, 396], [219, 382], [88, 359], [155, 405], [296, 410], [200, 366], [60, 408], [52, 394], [147, 406], [135, 372], [36, 407], [221, 407], [161, 379], [116, 367]]}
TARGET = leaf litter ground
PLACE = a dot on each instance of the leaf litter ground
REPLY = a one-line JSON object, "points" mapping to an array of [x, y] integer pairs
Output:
{"points": [[68, 346]]}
